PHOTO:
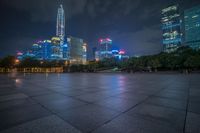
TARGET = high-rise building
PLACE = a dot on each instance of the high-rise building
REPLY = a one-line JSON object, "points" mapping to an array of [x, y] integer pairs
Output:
{"points": [[171, 27], [97, 56], [94, 49], [56, 48], [192, 27], [41, 50], [105, 51], [60, 27], [65, 51], [105, 46], [37, 50], [77, 50], [46, 48]]}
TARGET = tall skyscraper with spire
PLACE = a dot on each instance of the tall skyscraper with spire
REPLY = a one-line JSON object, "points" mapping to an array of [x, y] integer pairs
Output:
{"points": [[60, 27]]}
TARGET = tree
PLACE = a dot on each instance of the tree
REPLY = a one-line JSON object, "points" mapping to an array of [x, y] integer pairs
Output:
{"points": [[8, 62], [154, 63], [74, 68], [30, 62], [192, 62], [93, 66]]}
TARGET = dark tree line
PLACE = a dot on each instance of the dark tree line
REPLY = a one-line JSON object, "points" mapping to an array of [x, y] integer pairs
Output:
{"points": [[8, 62], [184, 59]]}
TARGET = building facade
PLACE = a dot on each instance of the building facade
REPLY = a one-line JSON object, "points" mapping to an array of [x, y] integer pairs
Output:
{"points": [[77, 50], [105, 51], [42, 50], [37, 50], [60, 29], [56, 48], [60, 26], [46, 50], [105, 47], [192, 27], [171, 27], [94, 50]]}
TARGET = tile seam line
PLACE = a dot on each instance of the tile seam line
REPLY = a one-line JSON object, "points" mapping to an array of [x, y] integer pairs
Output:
{"points": [[54, 113], [127, 110], [188, 99]]}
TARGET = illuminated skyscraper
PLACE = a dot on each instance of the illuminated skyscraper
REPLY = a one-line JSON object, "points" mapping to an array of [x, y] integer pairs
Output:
{"points": [[56, 48], [105, 46], [171, 27], [192, 27], [60, 27], [105, 51], [77, 50]]}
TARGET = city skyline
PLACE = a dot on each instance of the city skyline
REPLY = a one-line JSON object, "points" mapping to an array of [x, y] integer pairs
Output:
{"points": [[145, 39]]}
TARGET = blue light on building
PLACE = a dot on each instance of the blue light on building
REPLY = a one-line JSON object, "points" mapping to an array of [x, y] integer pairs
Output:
{"points": [[46, 50], [105, 46], [105, 51], [65, 51], [171, 26], [192, 27]]}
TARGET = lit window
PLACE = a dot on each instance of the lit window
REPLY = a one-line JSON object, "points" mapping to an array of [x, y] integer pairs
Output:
{"points": [[195, 16]]}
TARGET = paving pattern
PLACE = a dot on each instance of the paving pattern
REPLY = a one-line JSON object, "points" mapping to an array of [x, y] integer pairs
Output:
{"points": [[99, 103]]}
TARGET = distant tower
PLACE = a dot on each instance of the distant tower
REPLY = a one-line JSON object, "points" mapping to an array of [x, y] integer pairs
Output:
{"points": [[105, 47], [60, 27]]}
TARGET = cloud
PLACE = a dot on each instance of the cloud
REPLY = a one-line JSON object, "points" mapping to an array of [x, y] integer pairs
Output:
{"points": [[130, 5], [16, 43], [97, 7], [111, 7], [143, 42], [45, 10]]}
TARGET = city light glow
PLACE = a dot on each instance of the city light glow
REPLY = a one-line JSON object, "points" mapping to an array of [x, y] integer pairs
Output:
{"points": [[122, 52]]}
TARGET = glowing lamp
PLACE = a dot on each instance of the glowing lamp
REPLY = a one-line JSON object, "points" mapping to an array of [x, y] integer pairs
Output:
{"points": [[17, 61], [122, 52], [40, 41], [19, 53], [108, 39], [115, 51]]}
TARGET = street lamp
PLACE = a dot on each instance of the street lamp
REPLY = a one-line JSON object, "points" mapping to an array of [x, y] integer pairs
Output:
{"points": [[17, 62]]}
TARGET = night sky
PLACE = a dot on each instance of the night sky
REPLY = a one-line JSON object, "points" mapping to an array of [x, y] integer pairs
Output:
{"points": [[134, 25]]}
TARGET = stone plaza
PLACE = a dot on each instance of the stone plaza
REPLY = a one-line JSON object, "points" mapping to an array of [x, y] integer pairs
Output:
{"points": [[99, 103]]}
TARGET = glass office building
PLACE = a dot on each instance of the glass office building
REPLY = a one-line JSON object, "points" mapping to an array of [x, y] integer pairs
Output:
{"points": [[41, 50], [192, 27], [171, 27], [77, 50], [105, 47]]}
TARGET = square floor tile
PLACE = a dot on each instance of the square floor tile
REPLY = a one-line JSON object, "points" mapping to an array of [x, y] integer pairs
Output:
{"points": [[15, 116], [50, 124], [13, 97], [174, 117], [88, 118], [136, 124], [16, 103], [167, 102], [192, 123], [118, 104]]}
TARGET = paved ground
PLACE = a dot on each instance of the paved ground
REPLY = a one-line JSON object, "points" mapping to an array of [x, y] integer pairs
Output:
{"points": [[99, 103]]}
